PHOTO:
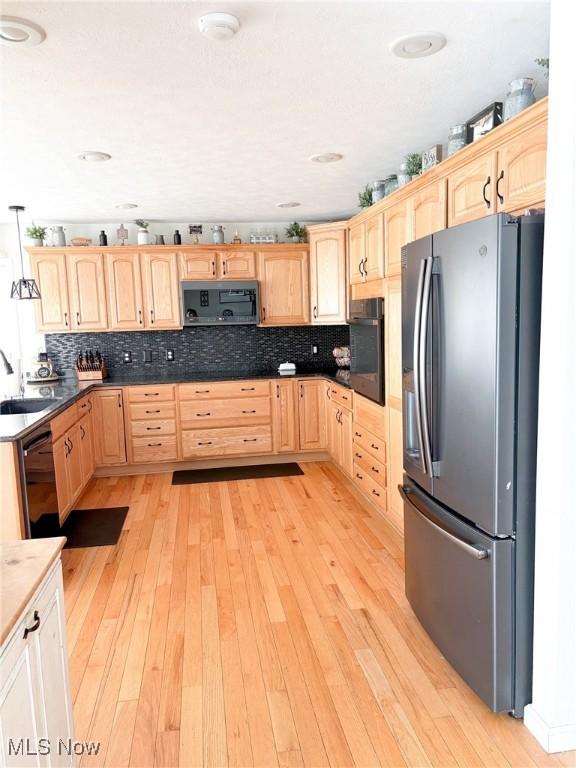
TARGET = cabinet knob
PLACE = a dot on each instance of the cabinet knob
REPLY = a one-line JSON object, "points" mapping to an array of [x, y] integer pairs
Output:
{"points": [[34, 626]]}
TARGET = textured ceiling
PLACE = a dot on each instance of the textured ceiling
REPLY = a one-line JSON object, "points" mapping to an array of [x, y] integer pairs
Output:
{"points": [[204, 130]]}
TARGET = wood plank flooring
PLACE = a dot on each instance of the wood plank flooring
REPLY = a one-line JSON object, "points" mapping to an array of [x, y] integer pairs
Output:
{"points": [[263, 622]]}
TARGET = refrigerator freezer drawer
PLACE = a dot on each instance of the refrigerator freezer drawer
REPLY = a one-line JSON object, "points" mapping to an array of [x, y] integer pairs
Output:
{"points": [[459, 583]]}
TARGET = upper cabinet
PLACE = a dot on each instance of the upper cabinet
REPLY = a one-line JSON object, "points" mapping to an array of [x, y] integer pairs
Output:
{"points": [[366, 250], [199, 265], [49, 271], [161, 290], [125, 301], [427, 210], [284, 290], [218, 265], [472, 190], [356, 254], [87, 291], [328, 274], [237, 265], [396, 234], [522, 170]]}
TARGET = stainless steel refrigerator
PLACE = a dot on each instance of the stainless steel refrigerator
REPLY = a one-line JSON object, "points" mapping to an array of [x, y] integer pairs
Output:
{"points": [[470, 355]]}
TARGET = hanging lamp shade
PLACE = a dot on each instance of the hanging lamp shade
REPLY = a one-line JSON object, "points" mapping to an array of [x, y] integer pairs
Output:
{"points": [[25, 287]]}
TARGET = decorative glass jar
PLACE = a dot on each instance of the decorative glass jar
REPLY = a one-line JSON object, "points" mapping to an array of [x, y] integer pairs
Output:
{"points": [[403, 177], [390, 184], [456, 138], [520, 95], [378, 190]]}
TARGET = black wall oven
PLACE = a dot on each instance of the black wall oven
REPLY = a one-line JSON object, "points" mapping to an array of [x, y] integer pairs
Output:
{"points": [[366, 320]]}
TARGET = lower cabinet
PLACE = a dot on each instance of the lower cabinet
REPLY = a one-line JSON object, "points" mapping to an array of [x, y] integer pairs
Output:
{"points": [[311, 414], [109, 442], [395, 466], [285, 416], [86, 435], [35, 700], [68, 470], [339, 427]]}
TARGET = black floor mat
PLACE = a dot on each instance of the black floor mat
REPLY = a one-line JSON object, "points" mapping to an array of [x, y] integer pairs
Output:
{"points": [[222, 474], [84, 527]]}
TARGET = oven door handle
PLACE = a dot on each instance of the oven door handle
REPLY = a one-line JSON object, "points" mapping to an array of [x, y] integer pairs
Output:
{"points": [[37, 443], [364, 321]]}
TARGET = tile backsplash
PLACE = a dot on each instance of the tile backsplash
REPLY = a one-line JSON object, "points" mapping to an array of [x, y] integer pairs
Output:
{"points": [[214, 348]]}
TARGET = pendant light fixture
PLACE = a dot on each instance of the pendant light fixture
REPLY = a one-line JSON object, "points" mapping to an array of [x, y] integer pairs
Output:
{"points": [[25, 287]]}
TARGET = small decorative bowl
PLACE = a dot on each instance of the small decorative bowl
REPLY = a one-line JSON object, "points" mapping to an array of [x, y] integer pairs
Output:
{"points": [[77, 242]]}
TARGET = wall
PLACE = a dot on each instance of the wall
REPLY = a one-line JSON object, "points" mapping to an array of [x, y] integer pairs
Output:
{"points": [[211, 348]]}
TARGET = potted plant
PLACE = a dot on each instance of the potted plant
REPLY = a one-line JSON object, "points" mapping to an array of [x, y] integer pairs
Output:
{"points": [[545, 64], [36, 235], [296, 232], [365, 197], [143, 236], [413, 163]]}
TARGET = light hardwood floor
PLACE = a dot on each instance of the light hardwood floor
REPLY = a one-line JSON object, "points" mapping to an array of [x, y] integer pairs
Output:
{"points": [[264, 623]]}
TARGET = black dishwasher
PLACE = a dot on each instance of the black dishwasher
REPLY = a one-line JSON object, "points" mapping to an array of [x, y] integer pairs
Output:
{"points": [[39, 484]]}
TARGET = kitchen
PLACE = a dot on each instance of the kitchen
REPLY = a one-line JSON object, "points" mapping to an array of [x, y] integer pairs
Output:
{"points": [[234, 498]]}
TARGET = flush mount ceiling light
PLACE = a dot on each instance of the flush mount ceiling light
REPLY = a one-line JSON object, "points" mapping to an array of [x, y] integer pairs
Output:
{"points": [[289, 204], [219, 26], [25, 287], [417, 46], [326, 157], [20, 32], [127, 206], [94, 157]]}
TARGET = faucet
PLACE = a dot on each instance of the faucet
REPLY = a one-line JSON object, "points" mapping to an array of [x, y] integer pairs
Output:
{"points": [[5, 364]]}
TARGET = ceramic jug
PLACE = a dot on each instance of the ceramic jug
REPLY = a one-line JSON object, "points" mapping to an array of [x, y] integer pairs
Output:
{"points": [[217, 234], [58, 237]]}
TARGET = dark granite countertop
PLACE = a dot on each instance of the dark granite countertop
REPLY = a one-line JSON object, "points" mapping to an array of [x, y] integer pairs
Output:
{"points": [[66, 391]]}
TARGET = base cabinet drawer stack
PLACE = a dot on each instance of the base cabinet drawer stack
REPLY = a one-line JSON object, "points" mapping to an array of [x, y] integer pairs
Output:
{"points": [[339, 426], [369, 447], [151, 424]]}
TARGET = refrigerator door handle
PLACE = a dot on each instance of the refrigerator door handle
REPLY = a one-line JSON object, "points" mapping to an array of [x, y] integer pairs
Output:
{"points": [[416, 363], [479, 553], [421, 380]]}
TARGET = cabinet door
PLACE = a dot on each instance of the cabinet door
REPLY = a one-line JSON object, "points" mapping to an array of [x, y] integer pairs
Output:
{"points": [[312, 400], [87, 291], [396, 234], [522, 170], [108, 425], [472, 190], [374, 248], [393, 353], [334, 433], [199, 265], [285, 417], [428, 210], [395, 467], [285, 295], [61, 450], [356, 254], [161, 290], [86, 447], [125, 300], [346, 443], [237, 265], [49, 271], [328, 277], [74, 462]]}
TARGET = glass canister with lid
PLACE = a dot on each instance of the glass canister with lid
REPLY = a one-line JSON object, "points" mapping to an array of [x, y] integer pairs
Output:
{"points": [[520, 95], [390, 184]]}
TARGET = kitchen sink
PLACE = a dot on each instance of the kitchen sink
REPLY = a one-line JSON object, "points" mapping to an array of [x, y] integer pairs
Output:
{"points": [[25, 405]]}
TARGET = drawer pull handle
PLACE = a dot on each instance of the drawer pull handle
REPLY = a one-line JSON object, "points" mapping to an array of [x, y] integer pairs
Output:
{"points": [[34, 627], [154, 445], [358, 455], [376, 470], [247, 389], [344, 397], [358, 434], [84, 405], [153, 427], [250, 439], [252, 411], [208, 413], [359, 476], [208, 442], [374, 446], [83, 432], [375, 492], [201, 391], [151, 394], [156, 411]]}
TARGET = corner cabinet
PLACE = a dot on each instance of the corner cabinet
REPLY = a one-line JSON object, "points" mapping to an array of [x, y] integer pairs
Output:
{"points": [[161, 290], [284, 287], [49, 271], [328, 274]]}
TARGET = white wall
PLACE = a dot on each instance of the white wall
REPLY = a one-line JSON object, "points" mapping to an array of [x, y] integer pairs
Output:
{"points": [[552, 715]]}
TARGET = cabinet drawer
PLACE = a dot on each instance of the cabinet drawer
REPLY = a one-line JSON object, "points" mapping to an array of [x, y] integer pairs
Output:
{"points": [[153, 428], [154, 449], [375, 446], [84, 406], [64, 421], [372, 467], [210, 389], [224, 413], [342, 396], [198, 443], [370, 416], [150, 394], [375, 492], [148, 411]]}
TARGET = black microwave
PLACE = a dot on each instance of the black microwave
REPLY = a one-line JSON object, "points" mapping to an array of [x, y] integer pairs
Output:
{"points": [[220, 302]]}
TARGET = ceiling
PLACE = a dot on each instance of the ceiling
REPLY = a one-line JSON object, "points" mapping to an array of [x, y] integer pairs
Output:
{"points": [[205, 130]]}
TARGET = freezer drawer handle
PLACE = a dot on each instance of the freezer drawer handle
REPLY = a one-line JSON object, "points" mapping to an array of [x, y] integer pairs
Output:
{"points": [[471, 549]]}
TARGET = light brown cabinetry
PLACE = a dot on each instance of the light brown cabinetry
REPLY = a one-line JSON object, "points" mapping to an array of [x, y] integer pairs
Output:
{"points": [[369, 449], [284, 287], [237, 265], [199, 265], [366, 250], [161, 290], [109, 438], [427, 210], [68, 471], [49, 271], [339, 427], [397, 232], [125, 299], [356, 254], [285, 417], [86, 436], [472, 190], [150, 422], [393, 348], [328, 275], [395, 467], [522, 170], [87, 291], [218, 265], [311, 414]]}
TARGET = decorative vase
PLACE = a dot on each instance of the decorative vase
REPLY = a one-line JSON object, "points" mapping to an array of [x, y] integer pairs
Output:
{"points": [[378, 190], [159, 240], [58, 236], [520, 95], [403, 177], [217, 234], [143, 237]]}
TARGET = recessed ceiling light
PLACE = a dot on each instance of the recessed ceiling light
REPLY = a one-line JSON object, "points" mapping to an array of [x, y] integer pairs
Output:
{"points": [[417, 46], [219, 26], [14, 31], [326, 157], [94, 157], [289, 204], [127, 206]]}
